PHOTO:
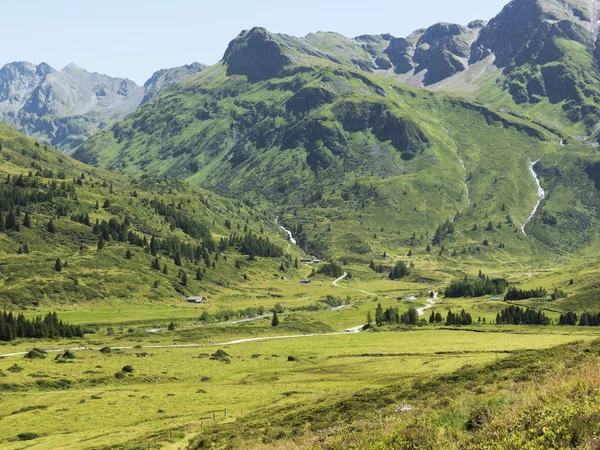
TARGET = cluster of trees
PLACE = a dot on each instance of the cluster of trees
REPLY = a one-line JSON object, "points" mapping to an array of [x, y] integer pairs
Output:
{"points": [[331, 270], [522, 294], [393, 315], [521, 316], [435, 317], [13, 327], [480, 286], [21, 192], [569, 318], [442, 231], [177, 217], [228, 314], [585, 320], [400, 270], [253, 245], [464, 318], [377, 268]]}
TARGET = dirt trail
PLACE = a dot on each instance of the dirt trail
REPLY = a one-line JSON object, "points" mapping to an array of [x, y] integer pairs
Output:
{"points": [[335, 283], [430, 304], [212, 344]]}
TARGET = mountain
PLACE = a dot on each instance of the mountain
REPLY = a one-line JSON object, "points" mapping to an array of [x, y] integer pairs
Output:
{"points": [[360, 164], [162, 78], [357, 163], [120, 238], [66, 107]]}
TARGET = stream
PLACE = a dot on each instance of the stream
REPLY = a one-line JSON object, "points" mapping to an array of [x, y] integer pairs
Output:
{"points": [[289, 233], [541, 195]]}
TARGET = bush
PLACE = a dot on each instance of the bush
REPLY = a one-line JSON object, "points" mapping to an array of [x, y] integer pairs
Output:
{"points": [[119, 375], [221, 355], [28, 436], [127, 369], [36, 353], [105, 350], [15, 369], [293, 359]]}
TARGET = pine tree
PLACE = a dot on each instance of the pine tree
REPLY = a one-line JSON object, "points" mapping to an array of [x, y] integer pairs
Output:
{"points": [[184, 279], [379, 315], [198, 274], [155, 264], [369, 318], [50, 226], [171, 326], [428, 249], [128, 254], [165, 270], [296, 263], [100, 242], [275, 321], [432, 317], [27, 220], [58, 265], [177, 259]]}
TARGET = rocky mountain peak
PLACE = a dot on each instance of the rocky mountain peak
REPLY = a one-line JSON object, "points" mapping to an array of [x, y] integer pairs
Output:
{"points": [[255, 53]]}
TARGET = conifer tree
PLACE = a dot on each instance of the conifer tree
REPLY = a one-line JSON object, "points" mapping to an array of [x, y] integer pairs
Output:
{"points": [[184, 278], [198, 274], [50, 226], [379, 315], [275, 321], [128, 254], [58, 265], [165, 270], [177, 259], [27, 220]]}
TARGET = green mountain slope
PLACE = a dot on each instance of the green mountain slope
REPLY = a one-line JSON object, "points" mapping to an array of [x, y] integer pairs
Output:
{"points": [[363, 164], [102, 229]]}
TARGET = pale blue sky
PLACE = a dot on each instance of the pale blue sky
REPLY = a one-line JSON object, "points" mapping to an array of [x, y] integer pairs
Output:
{"points": [[133, 38]]}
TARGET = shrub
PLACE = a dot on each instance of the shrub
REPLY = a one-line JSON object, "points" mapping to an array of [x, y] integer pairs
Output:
{"points": [[28, 436], [15, 369], [221, 355], [36, 353], [105, 350], [119, 375], [293, 358], [127, 369]]}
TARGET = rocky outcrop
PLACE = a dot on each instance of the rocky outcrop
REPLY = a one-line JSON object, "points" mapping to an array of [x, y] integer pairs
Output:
{"points": [[162, 78], [256, 54]]}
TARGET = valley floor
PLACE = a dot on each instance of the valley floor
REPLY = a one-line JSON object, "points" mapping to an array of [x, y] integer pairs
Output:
{"points": [[177, 388]]}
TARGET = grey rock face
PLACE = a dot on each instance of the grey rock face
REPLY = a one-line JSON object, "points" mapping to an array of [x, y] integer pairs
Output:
{"points": [[162, 78], [256, 54]]}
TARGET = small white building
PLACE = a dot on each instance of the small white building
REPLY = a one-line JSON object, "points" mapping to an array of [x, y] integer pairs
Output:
{"points": [[196, 299]]}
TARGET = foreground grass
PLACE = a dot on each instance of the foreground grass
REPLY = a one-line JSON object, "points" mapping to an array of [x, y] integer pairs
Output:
{"points": [[174, 392], [536, 399]]}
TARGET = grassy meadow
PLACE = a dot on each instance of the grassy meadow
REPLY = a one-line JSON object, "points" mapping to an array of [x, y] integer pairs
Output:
{"points": [[173, 392]]}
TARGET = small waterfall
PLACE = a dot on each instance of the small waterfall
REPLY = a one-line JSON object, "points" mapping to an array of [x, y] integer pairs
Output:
{"points": [[541, 195], [289, 233]]}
